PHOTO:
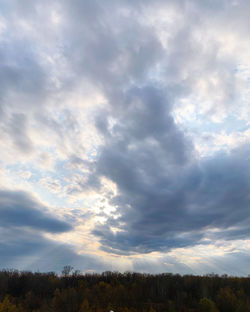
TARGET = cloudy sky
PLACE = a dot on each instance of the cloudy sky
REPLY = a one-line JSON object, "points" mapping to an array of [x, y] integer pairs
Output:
{"points": [[124, 135]]}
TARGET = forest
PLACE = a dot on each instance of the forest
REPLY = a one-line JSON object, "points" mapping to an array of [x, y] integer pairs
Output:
{"points": [[72, 291]]}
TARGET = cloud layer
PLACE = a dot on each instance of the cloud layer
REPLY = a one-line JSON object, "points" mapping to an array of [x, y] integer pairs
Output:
{"points": [[124, 133]]}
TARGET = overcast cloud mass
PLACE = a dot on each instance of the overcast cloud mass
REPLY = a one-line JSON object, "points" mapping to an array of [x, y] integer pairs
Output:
{"points": [[125, 135]]}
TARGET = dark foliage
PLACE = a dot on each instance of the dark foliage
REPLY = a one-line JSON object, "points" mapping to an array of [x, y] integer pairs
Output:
{"points": [[75, 292]]}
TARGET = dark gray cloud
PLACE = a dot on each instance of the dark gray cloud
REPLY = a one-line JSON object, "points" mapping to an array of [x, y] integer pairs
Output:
{"points": [[23, 221], [144, 153], [168, 199], [28, 250], [19, 209]]}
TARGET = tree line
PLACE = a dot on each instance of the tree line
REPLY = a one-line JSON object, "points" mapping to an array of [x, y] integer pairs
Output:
{"points": [[72, 291]]}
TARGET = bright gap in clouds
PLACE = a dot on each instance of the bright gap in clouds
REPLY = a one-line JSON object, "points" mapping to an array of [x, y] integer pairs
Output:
{"points": [[125, 135]]}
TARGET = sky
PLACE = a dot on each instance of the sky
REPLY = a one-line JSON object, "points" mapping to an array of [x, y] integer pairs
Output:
{"points": [[124, 135]]}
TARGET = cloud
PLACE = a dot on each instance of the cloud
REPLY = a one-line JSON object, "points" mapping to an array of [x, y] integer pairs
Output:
{"points": [[109, 105], [23, 245], [19, 209], [25, 249], [52, 185], [159, 209]]}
